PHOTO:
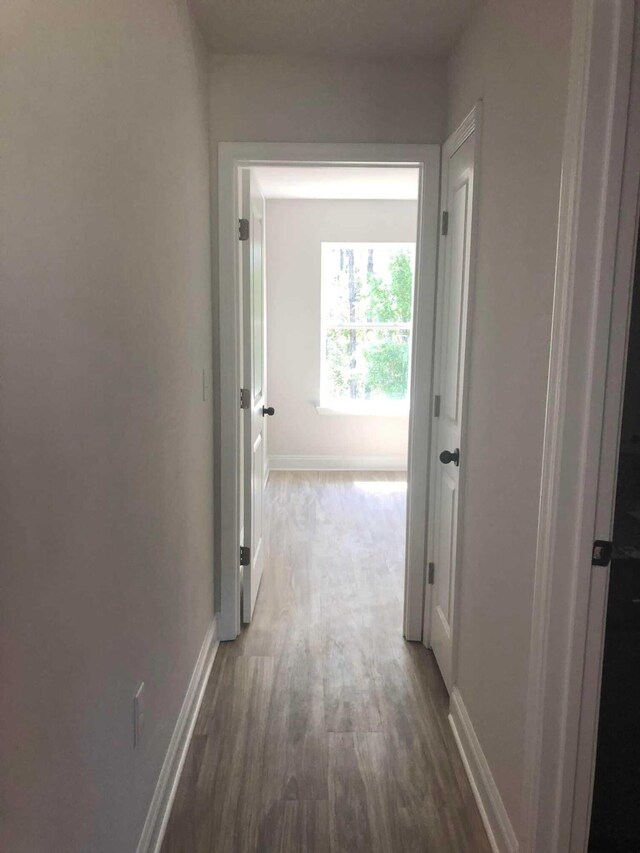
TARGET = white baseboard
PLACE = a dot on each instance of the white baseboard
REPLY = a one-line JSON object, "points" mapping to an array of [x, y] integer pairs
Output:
{"points": [[162, 800], [492, 810], [337, 463]]}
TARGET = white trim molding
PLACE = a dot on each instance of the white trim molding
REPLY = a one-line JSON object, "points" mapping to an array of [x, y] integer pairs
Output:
{"points": [[469, 124], [160, 807], [337, 463], [555, 800], [492, 810]]}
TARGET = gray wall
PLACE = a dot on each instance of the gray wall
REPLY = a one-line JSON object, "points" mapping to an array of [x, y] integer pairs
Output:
{"points": [[295, 230], [515, 57], [315, 99], [105, 441]]}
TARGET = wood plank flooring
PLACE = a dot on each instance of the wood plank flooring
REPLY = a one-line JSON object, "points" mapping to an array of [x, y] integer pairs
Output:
{"points": [[321, 728]]}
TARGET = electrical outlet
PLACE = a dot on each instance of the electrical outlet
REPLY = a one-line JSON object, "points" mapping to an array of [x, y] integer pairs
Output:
{"points": [[138, 715]]}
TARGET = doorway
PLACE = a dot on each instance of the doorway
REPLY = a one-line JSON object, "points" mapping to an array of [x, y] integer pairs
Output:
{"points": [[242, 476], [331, 271], [372, 351]]}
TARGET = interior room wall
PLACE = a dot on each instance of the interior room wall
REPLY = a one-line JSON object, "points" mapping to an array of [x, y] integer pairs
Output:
{"points": [[295, 230], [105, 439], [514, 56]]}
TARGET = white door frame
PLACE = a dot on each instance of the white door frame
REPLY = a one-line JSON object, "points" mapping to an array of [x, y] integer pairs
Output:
{"points": [[233, 156], [596, 244]]}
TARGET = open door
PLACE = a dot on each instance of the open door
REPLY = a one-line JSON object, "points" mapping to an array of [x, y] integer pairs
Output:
{"points": [[448, 454], [253, 402]]}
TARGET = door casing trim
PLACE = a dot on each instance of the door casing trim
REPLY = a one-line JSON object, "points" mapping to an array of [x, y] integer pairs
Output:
{"points": [[233, 156], [596, 234]]}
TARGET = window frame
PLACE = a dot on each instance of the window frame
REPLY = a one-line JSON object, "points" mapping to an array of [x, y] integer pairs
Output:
{"points": [[379, 407]]}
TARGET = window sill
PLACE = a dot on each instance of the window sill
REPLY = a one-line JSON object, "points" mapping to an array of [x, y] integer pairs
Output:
{"points": [[364, 409]]}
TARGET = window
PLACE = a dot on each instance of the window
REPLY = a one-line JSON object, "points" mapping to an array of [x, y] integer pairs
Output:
{"points": [[367, 307]]}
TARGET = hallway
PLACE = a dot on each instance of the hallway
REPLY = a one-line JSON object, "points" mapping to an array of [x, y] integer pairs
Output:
{"points": [[321, 728]]}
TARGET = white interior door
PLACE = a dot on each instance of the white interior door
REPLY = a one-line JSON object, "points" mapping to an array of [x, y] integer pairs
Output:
{"points": [[253, 371], [448, 454]]}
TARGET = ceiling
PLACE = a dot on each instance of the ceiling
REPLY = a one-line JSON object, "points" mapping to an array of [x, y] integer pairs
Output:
{"points": [[338, 182], [381, 29]]}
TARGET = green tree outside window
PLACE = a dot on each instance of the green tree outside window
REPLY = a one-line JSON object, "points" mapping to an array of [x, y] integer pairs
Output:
{"points": [[367, 312]]}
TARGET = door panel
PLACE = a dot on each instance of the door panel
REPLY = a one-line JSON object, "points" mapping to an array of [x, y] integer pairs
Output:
{"points": [[449, 373], [253, 379], [448, 501], [455, 301], [257, 306]]}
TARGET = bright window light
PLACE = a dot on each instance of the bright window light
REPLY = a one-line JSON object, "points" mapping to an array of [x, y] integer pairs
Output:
{"points": [[367, 310]]}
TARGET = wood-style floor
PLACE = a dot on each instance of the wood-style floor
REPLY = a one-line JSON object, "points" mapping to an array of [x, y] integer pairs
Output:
{"points": [[321, 728]]}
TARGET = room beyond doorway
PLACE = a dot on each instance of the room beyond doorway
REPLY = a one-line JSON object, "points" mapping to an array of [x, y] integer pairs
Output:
{"points": [[340, 269], [328, 270]]}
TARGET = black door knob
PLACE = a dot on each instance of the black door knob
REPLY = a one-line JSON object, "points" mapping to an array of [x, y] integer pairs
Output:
{"points": [[268, 410], [448, 456]]}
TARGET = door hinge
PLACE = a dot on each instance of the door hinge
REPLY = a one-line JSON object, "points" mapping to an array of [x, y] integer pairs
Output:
{"points": [[436, 406], [601, 554], [245, 555], [245, 398], [431, 573], [444, 230], [243, 229]]}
